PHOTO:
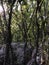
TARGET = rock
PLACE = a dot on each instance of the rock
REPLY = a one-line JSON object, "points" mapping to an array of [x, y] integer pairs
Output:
{"points": [[18, 50]]}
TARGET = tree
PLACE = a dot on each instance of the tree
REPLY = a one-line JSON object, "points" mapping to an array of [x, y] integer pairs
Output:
{"points": [[25, 21]]}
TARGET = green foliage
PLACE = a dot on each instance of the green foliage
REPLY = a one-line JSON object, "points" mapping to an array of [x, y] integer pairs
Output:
{"points": [[29, 21]]}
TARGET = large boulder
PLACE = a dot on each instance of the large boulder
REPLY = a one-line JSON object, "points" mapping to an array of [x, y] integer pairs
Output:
{"points": [[18, 50]]}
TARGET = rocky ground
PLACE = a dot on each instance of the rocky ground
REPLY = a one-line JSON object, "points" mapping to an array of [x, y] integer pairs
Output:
{"points": [[18, 50]]}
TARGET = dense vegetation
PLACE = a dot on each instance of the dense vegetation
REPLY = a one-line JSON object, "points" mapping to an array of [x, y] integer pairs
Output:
{"points": [[25, 22]]}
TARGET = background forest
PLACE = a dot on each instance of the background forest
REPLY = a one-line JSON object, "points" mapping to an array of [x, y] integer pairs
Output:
{"points": [[24, 32]]}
